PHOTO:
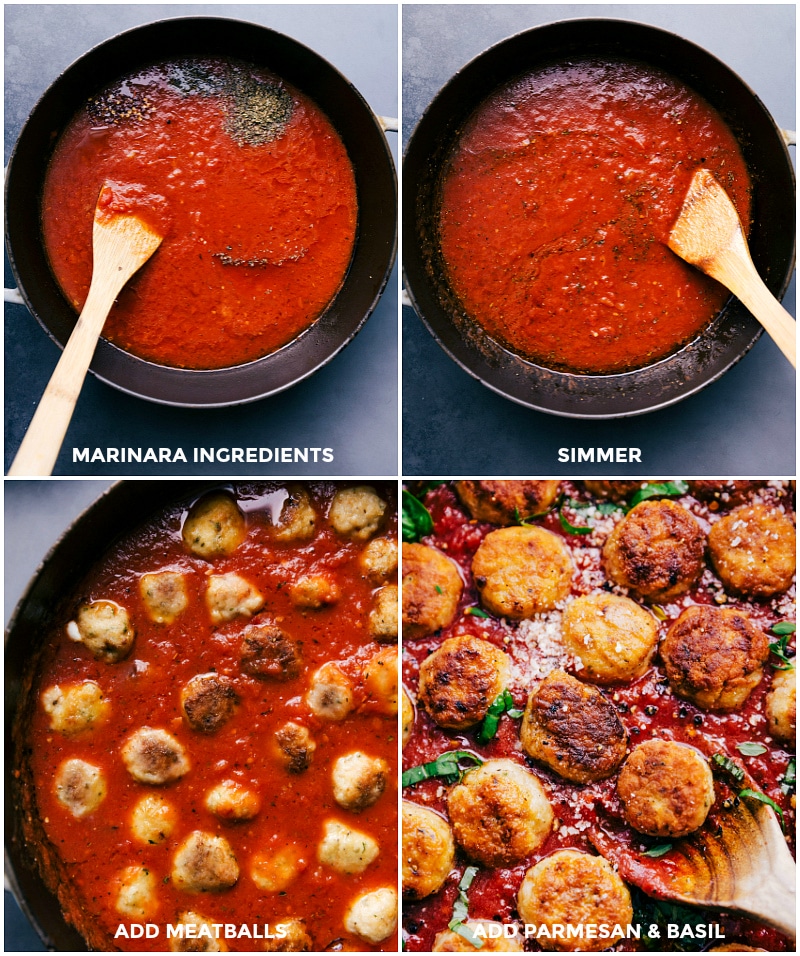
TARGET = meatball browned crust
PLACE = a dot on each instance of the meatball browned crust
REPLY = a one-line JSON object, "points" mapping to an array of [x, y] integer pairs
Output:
{"points": [[522, 571], [208, 701], [613, 490], [730, 491], [461, 679], [431, 590], [574, 888], [267, 653], [714, 657], [782, 705], [448, 941], [656, 551], [428, 851], [666, 788], [506, 502], [753, 550], [573, 729], [499, 813]]}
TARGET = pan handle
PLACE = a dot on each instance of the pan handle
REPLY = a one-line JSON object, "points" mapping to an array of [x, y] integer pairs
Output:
{"points": [[789, 137], [389, 124], [13, 295]]}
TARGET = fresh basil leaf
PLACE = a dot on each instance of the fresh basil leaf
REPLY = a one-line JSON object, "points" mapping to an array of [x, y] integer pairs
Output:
{"points": [[658, 612], [446, 766], [730, 766], [659, 489], [790, 777], [516, 714], [607, 507], [502, 704], [565, 523], [784, 627], [461, 908], [467, 934], [438, 589], [476, 612], [763, 798], [466, 880], [657, 851], [416, 519], [779, 648], [751, 749]]}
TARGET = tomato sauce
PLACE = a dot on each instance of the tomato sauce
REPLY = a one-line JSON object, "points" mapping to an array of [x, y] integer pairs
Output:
{"points": [[251, 187], [556, 204], [143, 690], [590, 816]]}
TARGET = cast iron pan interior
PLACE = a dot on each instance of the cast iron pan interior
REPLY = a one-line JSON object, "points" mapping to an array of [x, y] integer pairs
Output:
{"points": [[700, 362], [375, 181]]}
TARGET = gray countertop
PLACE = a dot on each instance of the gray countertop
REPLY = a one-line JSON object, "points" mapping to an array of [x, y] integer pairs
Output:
{"points": [[350, 405], [744, 424]]}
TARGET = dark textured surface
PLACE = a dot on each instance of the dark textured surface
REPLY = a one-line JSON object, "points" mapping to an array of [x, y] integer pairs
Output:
{"points": [[350, 405], [743, 424]]}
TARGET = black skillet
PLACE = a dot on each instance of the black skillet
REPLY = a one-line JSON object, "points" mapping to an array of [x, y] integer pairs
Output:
{"points": [[732, 333], [375, 182]]}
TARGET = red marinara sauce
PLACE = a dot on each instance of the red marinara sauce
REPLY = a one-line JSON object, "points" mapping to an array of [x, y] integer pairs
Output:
{"points": [[84, 857], [589, 817], [250, 185], [556, 204]]}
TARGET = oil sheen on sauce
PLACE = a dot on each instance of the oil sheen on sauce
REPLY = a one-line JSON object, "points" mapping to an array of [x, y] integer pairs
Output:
{"points": [[251, 186], [555, 208]]}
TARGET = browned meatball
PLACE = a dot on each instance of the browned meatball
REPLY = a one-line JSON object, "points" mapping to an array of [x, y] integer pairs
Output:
{"points": [[573, 729], [613, 490], [522, 571], [506, 502], [428, 851], [714, 657], [448, 941], [656, 551], [431, 590], [727, 491], [268, 653], [296, 746], [461, 679], [208, 702], [754, 551], [782, 705], [666, 788]]}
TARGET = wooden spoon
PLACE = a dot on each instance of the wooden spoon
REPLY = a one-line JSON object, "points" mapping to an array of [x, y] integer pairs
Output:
{"points": [[121, 244], [740, 862], [708, 234]]}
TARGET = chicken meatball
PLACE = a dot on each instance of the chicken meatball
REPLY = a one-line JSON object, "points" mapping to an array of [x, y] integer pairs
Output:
{"points": [[136, 893], [295, 746], [380, 682], [294, 938], [346, 850], [197, 935], [358, 780], [613, 490], [379, 559], [154, 756], [499, 813], [572, 888], [357, 513], [164, 595], [373, 916], [782, 705], [506, 502], [714, 657], [330, 696], [204, 863], [230, 595], [80, 786], [275, 871], [613, 638], [431, 590], [75, 709], [666, 788], [266, 652], [522, 571], [736, 948], [656, 551], [208, 702], [314, 591], [214, 526], [448, 941], [230, 802], [573, 729], [408, 717], [153, 819], [753, 551], [104, 629], [461, 679], [383, 616], [297, 520], [727, 491], [428, 851]]}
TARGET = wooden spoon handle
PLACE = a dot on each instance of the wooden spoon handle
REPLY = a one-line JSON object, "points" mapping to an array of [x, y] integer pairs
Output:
{"points": [[42, 442]]}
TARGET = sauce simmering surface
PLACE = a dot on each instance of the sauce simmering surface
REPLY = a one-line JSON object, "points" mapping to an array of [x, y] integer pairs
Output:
{"points": [[556, 205], [252, 187]]}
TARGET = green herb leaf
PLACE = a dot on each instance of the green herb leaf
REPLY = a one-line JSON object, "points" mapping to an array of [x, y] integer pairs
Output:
{"points": [[784, 627], [467, 933], [790, 777], [607, 507], [438, 589], [657, 851], [416, 521], [659, 489], [540, 514], [502, 704], [476, 612], [658, 612], [751, 749], [565, 523], [763, 798], [447, 766], [427, 486], [730, 766], [461, 909], [648, 913], [779, 648], [515, 713]]}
